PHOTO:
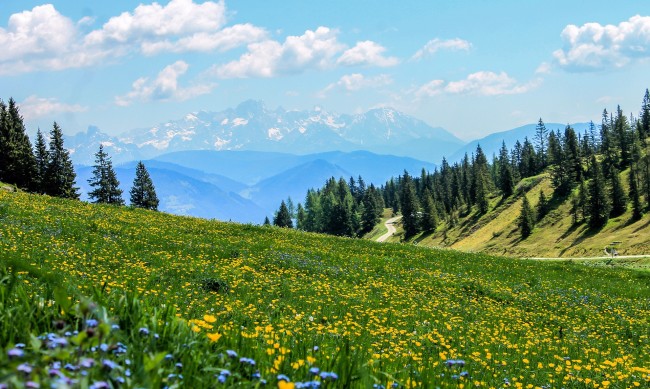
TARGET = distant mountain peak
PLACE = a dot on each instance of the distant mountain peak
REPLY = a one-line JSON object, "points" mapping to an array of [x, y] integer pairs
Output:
{"points": [[251, 126]]}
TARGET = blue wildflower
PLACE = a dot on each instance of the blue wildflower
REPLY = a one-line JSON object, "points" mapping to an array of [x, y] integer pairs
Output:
{"points": [[231, 353], [283, 377], [92, 323], [144, 331]]}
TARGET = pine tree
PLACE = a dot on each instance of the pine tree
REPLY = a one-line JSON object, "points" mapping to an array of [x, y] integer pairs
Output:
{"points": [[645, 115], [506, 181], [282, 217], [583, 200], [480, 176], [526, 218], [42, 157], [541, 136], [409, 206], [542, 205], [301, 216], [60, 176], [267, 222], [599, 206], [635, 196], [143, 192], [618, 196], [104, 181], [16, 154], [429, 220]]}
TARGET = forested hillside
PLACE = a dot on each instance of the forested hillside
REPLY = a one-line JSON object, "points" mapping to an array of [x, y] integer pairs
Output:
{"points": [[594, 176]]}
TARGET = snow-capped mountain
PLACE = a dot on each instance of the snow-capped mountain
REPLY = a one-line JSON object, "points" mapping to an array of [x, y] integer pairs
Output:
{"points": [[251, 126]]}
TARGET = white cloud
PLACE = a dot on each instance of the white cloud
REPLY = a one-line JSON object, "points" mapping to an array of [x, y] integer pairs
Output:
{"points": [[35, 107], [44, 39], [313, 49], [435, 45], [367, 53], [544, 68], [165, 87], [35, 34], [222, 40], [483, 83], [490, 84], [430, 89], [177, 18], [593, 46], [356, 81]]}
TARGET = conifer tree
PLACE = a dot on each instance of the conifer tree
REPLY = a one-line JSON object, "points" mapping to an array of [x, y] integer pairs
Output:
{"points": [[18, 165], [429, 220], [635, 196], [583, 200], [541, 136], [480, 177], [42, 157], [599, 206], [409, 206], [506, 181], [542, 205], [267, 222], [618, 196], [645, 115], [104, 181], [143, 192], [301, 215], [60, 176], [526, 218], [282, 217]]}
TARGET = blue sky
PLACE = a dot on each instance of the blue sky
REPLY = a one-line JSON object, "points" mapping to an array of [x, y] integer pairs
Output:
{"points": [[472, 67]]}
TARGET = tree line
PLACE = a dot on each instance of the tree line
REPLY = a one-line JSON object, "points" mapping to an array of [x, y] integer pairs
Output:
{"points": [[585, 169], [46, 168], [340, 207]]}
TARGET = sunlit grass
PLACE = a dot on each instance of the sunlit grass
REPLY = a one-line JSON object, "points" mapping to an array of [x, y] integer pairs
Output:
{"points": [[372, 313]]}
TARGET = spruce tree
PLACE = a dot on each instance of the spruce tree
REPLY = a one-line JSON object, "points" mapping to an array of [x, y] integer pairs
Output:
{"points": [[635, 196], [506, 181], [542, 205], [104, 181], [599, 205], [541, 136], [645, 115], [282, 217], [60, 176], [429, 220], [301, 216], [42, 157], [618, 196], [409, 206], [143, 192], [267, 222], [526, 218], [17, 156]]}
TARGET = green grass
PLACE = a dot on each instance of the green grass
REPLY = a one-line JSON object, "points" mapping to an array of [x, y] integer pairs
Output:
{"points": [[372, 313], [380, 229]]}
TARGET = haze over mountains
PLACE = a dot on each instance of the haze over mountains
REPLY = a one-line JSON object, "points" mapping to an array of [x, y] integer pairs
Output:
{"points": [[239, 164], [251, 126]]}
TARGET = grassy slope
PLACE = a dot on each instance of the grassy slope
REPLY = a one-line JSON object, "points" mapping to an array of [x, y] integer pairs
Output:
{"points": [[554, 236], [378, 312]]}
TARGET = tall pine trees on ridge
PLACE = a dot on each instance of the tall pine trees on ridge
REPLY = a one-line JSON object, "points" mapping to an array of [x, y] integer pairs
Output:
{"points": [[17, 162]]}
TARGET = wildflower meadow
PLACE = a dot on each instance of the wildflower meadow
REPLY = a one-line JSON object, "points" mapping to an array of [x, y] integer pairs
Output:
{"points": [[103, 296]]}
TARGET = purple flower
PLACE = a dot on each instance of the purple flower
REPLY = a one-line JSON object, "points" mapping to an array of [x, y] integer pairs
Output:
{"points": [[110, 365], [92, 323], [231, 353], [314, 370], [329, 376], [15, 353], [99, 385], [32, 385], [144, 331], [24, 368]]}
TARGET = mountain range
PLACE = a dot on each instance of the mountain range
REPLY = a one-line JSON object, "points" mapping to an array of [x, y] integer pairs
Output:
{"points": [[246, 186], [252, 126], [239, 164]]}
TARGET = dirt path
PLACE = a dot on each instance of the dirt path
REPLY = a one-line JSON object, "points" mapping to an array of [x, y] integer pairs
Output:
{"points": [[391, 228]]}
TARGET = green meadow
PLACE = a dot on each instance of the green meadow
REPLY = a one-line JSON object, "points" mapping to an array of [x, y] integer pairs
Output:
{"points": [[102, 296]]}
